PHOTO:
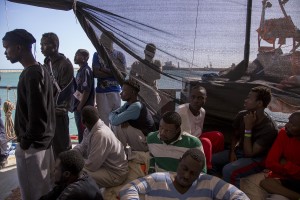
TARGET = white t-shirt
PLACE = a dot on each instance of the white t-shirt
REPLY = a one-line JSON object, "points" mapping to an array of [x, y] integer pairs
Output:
{"points": [[190, 123]]}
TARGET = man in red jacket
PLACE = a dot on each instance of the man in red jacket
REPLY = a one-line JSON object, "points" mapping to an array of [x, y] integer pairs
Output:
{"points": [[283, 164]]}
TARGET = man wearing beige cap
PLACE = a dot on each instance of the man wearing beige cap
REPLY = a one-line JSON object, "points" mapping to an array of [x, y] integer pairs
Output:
{"points": [[147, 77]]}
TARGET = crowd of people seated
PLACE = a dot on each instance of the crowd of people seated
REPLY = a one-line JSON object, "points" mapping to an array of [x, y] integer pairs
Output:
{"points": [[180, 160]]}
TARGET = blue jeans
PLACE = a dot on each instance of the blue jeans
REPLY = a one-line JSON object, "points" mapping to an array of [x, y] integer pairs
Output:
{"points": [[234, 171]]}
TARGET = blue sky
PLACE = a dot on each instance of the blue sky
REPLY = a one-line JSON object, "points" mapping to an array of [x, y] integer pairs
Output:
{"points": [[37, 21], [72, 37]]}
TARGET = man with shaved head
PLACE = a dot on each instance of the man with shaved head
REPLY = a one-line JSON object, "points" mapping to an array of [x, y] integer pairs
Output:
{"points": [[105, 158]]}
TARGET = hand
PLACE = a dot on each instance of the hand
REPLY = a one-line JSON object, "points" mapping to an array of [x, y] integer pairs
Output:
{"points": [[249, 120], [282, 161], [79, 108], [232, 156], [60, 111], [24, 144], [124, 125], [151, 170]]}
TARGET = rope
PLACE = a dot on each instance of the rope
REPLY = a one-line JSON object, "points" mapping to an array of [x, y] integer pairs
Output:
{"points": [[195, 34], [9, 125], [6, 16]]}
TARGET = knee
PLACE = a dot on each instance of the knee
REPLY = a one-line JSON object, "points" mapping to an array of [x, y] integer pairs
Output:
{"points": [[269, 183], [219, 135], [228, 170], [206, 143]]}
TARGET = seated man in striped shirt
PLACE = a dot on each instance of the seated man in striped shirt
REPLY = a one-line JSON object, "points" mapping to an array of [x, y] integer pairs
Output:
{"points": [[187, 183], [169, 143]]}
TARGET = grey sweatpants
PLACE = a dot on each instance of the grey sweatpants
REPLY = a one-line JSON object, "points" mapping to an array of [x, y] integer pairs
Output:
{"points": [[35, 172]]}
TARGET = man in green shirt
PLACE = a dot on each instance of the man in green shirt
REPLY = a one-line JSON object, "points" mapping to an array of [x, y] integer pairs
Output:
{"points": [[169, 143]]}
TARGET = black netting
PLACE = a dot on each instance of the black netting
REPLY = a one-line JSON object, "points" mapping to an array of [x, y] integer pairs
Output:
{"points": [[204, 41]]}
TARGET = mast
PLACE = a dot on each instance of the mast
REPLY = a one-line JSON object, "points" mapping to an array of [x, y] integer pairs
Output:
{"points": [[247, 36]]}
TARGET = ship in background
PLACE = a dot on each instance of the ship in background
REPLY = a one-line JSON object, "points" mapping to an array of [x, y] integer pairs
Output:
{"points": [[132, 35]]}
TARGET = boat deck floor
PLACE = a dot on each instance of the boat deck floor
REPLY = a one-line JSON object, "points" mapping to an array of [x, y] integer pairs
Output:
{"points": [[8, 178]]}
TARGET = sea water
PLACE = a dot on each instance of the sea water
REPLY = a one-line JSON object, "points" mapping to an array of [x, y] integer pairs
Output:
{"points": [[10, 79], [220, 34]]}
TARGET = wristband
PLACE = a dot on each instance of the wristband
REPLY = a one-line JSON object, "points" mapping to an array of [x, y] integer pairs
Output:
{"points": [[248, 131], [247, 135]]}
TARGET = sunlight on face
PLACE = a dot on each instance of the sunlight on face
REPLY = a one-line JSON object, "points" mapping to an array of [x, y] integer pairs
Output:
{"points": [[188, 171], [250, 102], [12, 51], [167, 132], [197, 98]]}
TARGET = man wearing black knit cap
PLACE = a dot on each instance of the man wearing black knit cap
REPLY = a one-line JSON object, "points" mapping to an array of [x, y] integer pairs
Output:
{"points": [[34, 118]]}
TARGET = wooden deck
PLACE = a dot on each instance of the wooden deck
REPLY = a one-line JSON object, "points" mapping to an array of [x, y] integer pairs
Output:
{"points": [[8, 178]]}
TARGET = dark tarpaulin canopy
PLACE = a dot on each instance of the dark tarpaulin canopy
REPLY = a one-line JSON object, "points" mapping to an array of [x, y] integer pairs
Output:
{"points": [[219, 105], [88, 17], [54, 4]]}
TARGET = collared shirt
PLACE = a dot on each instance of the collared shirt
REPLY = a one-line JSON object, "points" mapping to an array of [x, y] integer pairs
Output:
{"points": [[159, 186], [100, 148], [165, 157], [85, 82]]}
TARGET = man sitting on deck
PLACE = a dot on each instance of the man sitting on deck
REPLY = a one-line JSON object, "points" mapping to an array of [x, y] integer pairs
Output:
{"points": [[254, 134], [187, 183], [169, 143], [105, 158], [72, 182], [192, 115], [132, 122], [283, 164]]}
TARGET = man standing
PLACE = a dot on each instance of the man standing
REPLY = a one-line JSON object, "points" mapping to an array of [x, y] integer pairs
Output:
{"points": [[62, 73], [187, 183], [132, 122], [85, 93], [148, 77], [34, 118], [108, 89], [254, 134], [169, 143], [104, 155]]}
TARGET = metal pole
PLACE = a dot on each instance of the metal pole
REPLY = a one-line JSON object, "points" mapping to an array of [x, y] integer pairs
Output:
{"points": [[247, 36]]}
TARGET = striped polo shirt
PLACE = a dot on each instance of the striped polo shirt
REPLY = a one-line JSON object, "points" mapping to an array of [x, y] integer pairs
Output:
{"points": [[159, 186], [165, 157]]}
